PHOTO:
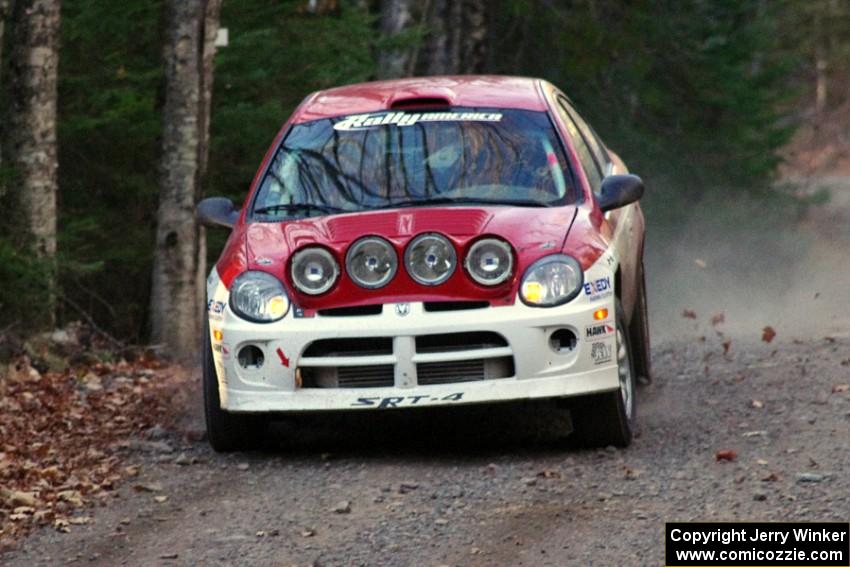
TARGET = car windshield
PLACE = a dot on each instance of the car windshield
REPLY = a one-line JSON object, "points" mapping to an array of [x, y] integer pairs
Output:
{"points": [[405, 158]]}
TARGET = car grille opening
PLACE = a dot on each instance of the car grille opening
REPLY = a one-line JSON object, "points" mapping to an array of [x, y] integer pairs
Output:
{"points": [[365, 346], [432, 373], [372, 376], [437, 306], [452, 342], [357, 311]]}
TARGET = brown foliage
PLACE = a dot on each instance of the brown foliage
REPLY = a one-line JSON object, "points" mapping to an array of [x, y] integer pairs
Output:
{"points": [[64, 436]]}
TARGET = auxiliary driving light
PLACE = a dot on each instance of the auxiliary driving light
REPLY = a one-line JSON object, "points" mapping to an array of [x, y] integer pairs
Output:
{"points": [[489, 261], [371, 262], [314, 270], [430, 259]]}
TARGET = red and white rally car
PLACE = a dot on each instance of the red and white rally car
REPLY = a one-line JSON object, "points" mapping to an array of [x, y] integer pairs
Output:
{"points": [[427, 242]]}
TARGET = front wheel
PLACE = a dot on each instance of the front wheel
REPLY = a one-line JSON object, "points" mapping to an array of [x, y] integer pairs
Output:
{"points": [[226, 431], [606, 419]]}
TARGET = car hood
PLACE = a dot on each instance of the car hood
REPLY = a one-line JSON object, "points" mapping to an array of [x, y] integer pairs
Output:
{"points": [[532, 232], [527, 229]]}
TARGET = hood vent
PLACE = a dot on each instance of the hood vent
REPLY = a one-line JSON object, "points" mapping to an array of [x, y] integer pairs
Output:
{"points": [[418, 103]]}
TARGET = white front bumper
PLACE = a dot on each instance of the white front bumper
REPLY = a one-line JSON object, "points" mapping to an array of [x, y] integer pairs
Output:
{"points": [[540, 372]]}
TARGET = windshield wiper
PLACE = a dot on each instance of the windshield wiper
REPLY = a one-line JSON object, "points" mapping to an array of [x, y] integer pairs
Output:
{"points": [[297, 207], [463, 201]]}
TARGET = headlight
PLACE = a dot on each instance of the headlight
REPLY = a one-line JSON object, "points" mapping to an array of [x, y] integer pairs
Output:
{"points": [[371, 262], [314, 270], [430, 259], [489, 261], [551, 281], [259, 297]]}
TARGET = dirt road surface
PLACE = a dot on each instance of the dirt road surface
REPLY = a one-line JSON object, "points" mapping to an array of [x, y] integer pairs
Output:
{"points": [[483, 487]]}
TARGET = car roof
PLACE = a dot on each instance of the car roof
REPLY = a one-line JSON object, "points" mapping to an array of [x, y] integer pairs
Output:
{"points": [[483, 91]]}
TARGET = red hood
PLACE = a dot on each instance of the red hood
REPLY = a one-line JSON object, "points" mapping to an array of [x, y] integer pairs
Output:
{"points": [[533, 233]]}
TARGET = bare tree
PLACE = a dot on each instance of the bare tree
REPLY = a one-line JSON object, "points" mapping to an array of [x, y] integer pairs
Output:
{"points": [[212, 18], [5, 7], [456, 41], [397, 16], [31, 134], [4, 14], [190, 47]]}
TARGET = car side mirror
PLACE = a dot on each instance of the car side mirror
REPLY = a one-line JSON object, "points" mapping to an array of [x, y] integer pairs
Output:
{"points": [[217, 211], [619, 190]]}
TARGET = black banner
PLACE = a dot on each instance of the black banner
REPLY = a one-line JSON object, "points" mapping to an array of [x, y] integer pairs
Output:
{"points": [[757, 544]]}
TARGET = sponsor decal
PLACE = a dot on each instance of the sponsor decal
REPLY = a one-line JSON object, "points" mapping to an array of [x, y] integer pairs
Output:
{"points": [[299, 313], [401, 401], [601, 352], [402, 309], [223, 349], [598, 288], [366, 121], [283, 360], [600, 330], [215, 307]]}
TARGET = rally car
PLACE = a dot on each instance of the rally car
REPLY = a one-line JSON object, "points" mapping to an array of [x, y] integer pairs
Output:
{"points": [[429, 242]]}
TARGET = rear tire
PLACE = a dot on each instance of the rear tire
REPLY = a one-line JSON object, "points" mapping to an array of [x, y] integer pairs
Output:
{"points": [[606, 419], [639, 335], [226, 431]]}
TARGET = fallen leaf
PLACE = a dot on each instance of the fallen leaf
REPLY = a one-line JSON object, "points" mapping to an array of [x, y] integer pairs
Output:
{"points": [[689, 314], [725, 455], [717, 319], [151, 487], [772, 477], [700, 263], [726, 346], [839, 388], [160, 499], [549, 473], [757, 404], [767, 334]]}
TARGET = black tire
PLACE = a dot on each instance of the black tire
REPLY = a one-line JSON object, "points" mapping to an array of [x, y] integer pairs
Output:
{"points": [[605, 419], [226, 431], [639, 335]]}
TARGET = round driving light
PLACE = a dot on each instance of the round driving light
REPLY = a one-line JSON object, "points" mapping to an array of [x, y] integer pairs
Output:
{"points": [[371, 262], [314, 270], [430, 259], [489, 261]]}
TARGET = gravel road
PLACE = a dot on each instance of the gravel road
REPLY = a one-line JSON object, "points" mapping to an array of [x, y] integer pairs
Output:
{"points": [[482, 487]]}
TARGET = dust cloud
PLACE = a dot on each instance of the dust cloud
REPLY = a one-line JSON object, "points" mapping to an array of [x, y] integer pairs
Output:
{"points": [[754, 266]]}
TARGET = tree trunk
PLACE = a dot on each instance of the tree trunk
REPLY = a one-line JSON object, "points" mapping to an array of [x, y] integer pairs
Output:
{"points": [[4, 15], [31, 135], [212, 18], [175, 310], [821, 64], [457, 37], [395, 60]]}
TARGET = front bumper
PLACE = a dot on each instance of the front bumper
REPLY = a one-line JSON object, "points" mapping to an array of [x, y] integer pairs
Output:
{"points": [[520, 364]]}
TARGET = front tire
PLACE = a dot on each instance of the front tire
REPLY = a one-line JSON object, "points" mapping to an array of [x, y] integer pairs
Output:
{"points": [[606, 419], [226, 431]]}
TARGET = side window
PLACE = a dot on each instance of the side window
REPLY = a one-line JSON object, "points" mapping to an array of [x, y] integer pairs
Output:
{"points": [[585, 155], [596, 146]]}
